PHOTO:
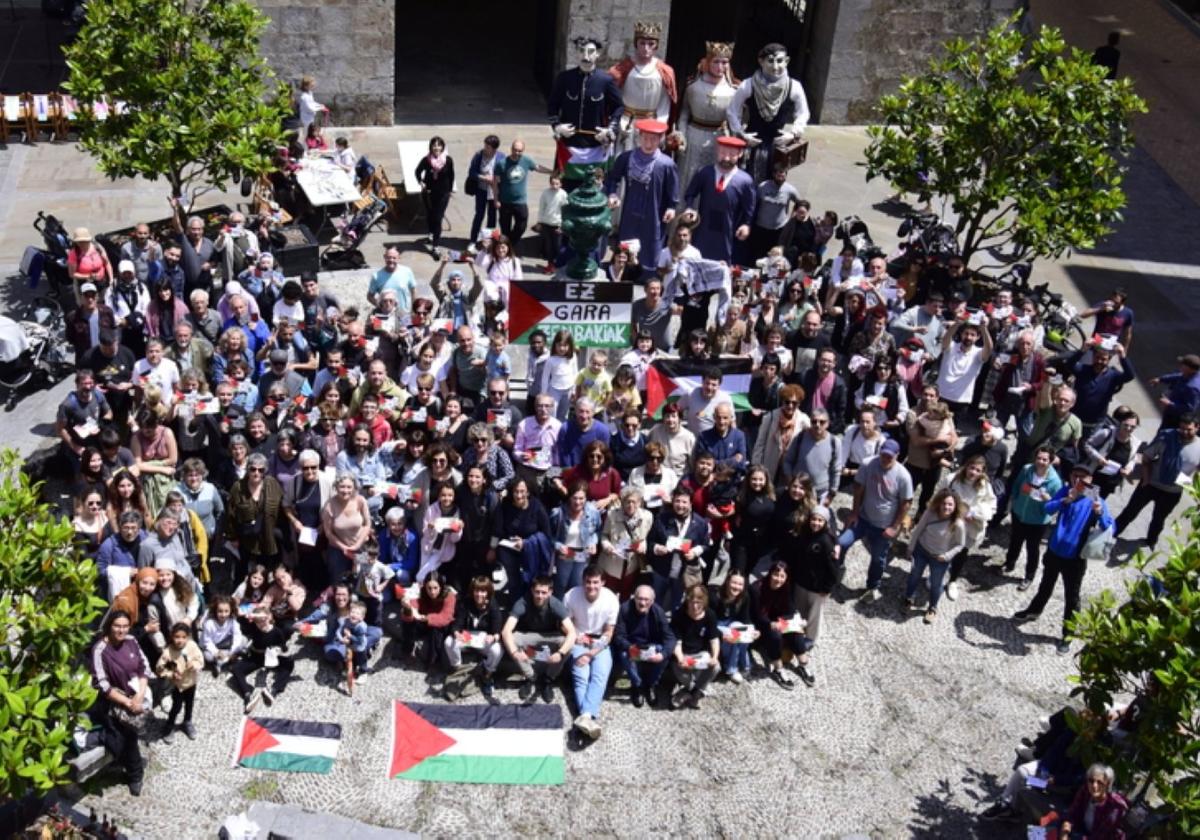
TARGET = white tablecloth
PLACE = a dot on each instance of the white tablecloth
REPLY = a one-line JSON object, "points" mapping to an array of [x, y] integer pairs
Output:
{"points": [[326, 183]]}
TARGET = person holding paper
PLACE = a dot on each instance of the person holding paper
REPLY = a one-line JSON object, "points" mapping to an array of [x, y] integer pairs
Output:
{"points": [[696, 658], [477, 625], [575, 529], [643, 642], [346, 523], [538, 635], [593, 610], [623, 542], [731, 605], [1037, 483], [772, 599], [655, 480], [441, 530], [1169, 464], [675, 544], [1112, 451], [534, 444]]}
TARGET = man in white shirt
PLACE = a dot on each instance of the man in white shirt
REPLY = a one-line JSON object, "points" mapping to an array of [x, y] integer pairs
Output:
{"points": [[699, 405], [593, 611], [962, 360]]}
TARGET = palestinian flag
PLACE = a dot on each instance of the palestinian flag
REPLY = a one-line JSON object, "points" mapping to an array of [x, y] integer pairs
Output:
{"points": [[293, 746], [669, 379], [481, 744], [575, 162]]}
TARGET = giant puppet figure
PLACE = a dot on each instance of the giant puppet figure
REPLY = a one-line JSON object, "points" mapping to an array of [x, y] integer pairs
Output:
{"points": [[776, 110], [724, 196], [702, 114], [584, 107], [651, 184], [647, 84]]}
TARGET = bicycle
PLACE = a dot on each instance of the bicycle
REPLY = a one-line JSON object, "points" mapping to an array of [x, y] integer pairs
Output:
{"points": [[1064, 327]]}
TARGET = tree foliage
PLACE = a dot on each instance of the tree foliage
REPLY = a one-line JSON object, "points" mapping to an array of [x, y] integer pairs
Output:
{"points": [[1150, 646], [1024, 136], [47, 604], [200, 106]]}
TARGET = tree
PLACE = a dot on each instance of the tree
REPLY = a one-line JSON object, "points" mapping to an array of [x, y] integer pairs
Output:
{"points": [[199, 106], [47, 605], [1023, 136], [1149, 646]]}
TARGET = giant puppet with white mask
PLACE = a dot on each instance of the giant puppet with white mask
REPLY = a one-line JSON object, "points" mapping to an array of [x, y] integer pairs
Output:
{"points": [[583, 109], [776, 110]]}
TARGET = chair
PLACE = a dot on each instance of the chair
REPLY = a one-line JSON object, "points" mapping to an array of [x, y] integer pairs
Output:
{"points": [[43, 115], [17, 117], [66, 110], [262, 199], [386, 190]]}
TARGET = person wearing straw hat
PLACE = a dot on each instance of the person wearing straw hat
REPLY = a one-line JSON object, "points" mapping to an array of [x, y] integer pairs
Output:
{"points": [[87, 263]]}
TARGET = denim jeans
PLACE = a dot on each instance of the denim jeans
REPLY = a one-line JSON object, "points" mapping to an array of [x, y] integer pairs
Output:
{"points": [[877, 544], [640, 674], [937, 574], [567, 575], [590, 680], [482, 206], [733, 657], [668, 591]]}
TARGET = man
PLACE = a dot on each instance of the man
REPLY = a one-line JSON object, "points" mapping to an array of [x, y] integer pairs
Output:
{"points": [[533, 449], [643, 642], [700, 403], [1022, 377], [1108, 56], [862, 442], [825, 390], [468, 366], [1169, 463], [113, 367], [578, 432], [963, 357], [1183, 390], [648, 89], [1113, 317], [462, 307], [80, 415], [778, 428], [923, 322], [672, 436], [593, 611], [128, 299], [675, 545], [189, 351], [398, 278], [776, 110], [512, 180], [816, 452], [584, 107], [806, 343], [883, 491], [1054, 425], [277, 371], [236, 245], [141, 250], [652, 314], [316, 301], [1096, 384], [721, 201], [538, 635], [206, 322], [1079, 509], [172, 270], [378, 384], [256, 330], [725, 443], [160, 549], [292, 342], [651, 185], [197, 250], [88, 320], [499, 412], [777, 223]]}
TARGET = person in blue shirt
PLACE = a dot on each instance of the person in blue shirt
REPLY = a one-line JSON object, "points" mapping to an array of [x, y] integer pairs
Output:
{"points": [[723, 441], [1079, 509], [1183, 390], [1097, 383], [399, 549], [577, 433]]}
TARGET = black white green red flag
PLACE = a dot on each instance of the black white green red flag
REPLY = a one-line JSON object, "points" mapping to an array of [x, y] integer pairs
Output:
{"points": [[293, 746], [670, 379]]}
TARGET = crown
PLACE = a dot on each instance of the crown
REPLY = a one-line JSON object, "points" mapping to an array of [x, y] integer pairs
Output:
{"points": [[718, 49], [645, 29]]}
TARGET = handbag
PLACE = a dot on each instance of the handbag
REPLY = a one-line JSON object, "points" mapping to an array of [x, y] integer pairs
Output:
{"points": [[471, 185], [1099, 544]]}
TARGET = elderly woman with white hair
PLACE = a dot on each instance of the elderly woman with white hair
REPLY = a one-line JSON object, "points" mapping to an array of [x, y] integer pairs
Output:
{"points": [[623, 542], [253, 514], [304, 497], [484, 451]]}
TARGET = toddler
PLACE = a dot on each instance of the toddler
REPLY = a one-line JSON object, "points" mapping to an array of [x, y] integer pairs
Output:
{"points": [[594, 381], [180, 665]]}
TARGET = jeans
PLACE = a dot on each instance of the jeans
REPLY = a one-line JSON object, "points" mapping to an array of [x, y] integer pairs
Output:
{"points": [[567, 575], [668, 591], [735, 657], [1164, 502], [877, 544], [514, 218], [937, 574], [590, 680], [1072, 570], [482, 206], [643, 674]]}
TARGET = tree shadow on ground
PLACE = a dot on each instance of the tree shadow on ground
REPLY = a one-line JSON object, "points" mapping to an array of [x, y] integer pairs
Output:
{"points": [[938, 815], [999, 632]]}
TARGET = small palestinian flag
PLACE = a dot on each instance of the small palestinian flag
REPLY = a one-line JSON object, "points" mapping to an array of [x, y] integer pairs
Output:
{"points": [[293, 746], [480, 744], [575, 162], [670, 379]]}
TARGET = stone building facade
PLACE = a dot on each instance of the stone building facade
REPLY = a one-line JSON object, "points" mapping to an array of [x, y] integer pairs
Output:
{"points": [[847, 52]]}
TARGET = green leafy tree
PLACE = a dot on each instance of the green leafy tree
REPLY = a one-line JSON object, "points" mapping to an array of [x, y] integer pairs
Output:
{"points": [[1149, 646], [200, 106], [47, 604], [1023, 136]]}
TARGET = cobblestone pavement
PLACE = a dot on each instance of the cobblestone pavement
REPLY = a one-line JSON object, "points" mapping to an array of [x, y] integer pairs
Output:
{"points": [[908, 732]]}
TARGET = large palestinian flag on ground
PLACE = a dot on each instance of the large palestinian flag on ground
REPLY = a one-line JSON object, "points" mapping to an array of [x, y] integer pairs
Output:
{"points": [[669, 379], [295, 746], [499, 745]]}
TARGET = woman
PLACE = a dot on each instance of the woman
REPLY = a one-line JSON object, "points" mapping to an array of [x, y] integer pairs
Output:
{"points": [[164, 312], [939, 537], [778, 428], [477, 505], [794, 305], [332, 612], [304, 497], [792, 508], [284, 598], [1112, 452], [191, 535], [815, 567], [346, 524], [252, 523], [143, 604], [480, 171], [772, 602], [697, 655], [1036, 484], [731, 605], [284, 463], [623, 543], [365, 465], [1097, 812], [92, 473], [477, 614], [974, 489], [458, 424], [331, 399], [87, 263], [851, 320], [441, 529], [754, 522], [655, 479], [883, 391], [190, 430], [90, 522], [485, 453], [232, 345], [435, 174], [623, 267], [327, 437], [425, 364], [428, 620], [201, 496], [520, 540], [155, 456], [121, 676], [575, 531], [232, 468], [596, 472], [179, 601], [440, 462], [931, 441], [125, 493], [500, 267]]}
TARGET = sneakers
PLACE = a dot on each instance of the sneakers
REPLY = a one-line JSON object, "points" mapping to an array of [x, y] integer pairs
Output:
{"points": [[252, 703], [189, 730], [952, 590], [930, 615], [694, 698], [870, 596], [681, 698], [488, 688], [1025, 584], [547, 691], [652, 697], [1025, 754], [588, 726], [267, 696], [636, 697], [806, 675], [736, 678], [135, 788], [999, 811], [1024, 615], [785, 682], [526, 691]]}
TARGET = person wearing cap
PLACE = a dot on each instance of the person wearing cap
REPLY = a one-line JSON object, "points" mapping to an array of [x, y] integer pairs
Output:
{"points": [[143, 251], [651, 191], [129, 300], [1182, 394], [1079, 509], [463, 307], [87, 262], [88, 320], [883, 491], [721, 199]]}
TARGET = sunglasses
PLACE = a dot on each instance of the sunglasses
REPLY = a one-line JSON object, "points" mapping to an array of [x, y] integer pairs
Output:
{"points": [[790, 402], [654, 457], [256, 469], [94, 504]]}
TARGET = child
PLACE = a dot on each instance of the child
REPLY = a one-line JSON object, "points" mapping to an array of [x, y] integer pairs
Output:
{"points": [[594, 381], [352, 632], [549, 221], [180, 665], [559, 372], [640, 357], [538, 354], [498, 364], [625, 394], [220, 635], [371, 579], [252, 589]]}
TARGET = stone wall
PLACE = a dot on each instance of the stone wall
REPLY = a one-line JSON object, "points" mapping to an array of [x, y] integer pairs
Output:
{"points": [[877, 42], [348, 45], [610, 21]]}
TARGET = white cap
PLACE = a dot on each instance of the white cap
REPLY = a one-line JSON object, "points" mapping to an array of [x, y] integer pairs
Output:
{"points": [[126, 265]]}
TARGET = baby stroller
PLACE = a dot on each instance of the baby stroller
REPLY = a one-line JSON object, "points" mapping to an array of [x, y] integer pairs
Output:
{"points": [[343, 252], [34, 346], [853, 231]]}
